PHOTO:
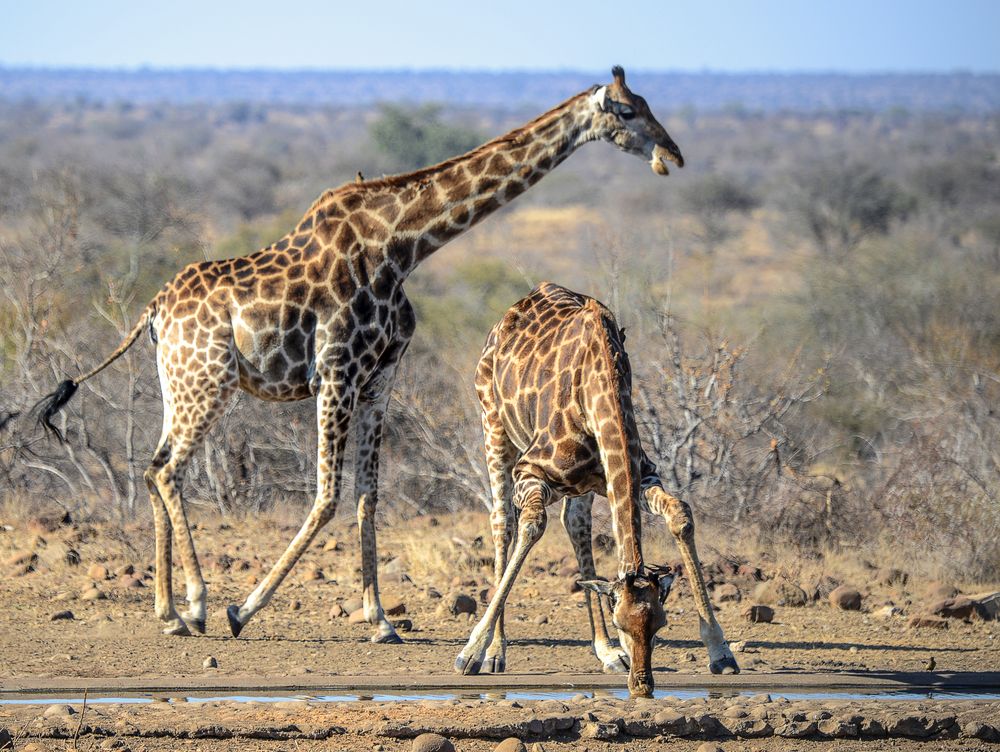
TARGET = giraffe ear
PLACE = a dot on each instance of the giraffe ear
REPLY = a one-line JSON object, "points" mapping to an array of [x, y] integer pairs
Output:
{"points": [[601, 587], [600, 98]]}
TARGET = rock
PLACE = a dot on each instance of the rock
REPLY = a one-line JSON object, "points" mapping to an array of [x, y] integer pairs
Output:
{"points": [[432, 743], [837, 728], [541, 619], [72, 557], [485, 595], [989, 604], [846, 598], [939, 591], [97, 572], [924, 621], [727, 592], [357, 617], [393, 566], [959, 607], [62, 616], [978, 730], [312, 573], [210, 662], [750, 572], [6, 740], [780, 592], [93, 594], [394, 607], [888, 611], [294, 605], [759, 614], [461, 604], [511, 744], [599, 730], [130, 582], [53, 711], [738, 647], [21, 563], [709, 747], [403, 625], [337, 611], [351, 605], [332, 545], [124, 570]]}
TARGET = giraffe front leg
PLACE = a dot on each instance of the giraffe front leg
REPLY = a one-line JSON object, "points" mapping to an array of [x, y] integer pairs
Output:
{"points": [[370, 417], [680, 522], [577, 519], [530, 497], [334, 405], [501, 524]]}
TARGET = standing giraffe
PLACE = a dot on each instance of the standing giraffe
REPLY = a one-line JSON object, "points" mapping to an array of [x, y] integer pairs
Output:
{"points": [[322, 313], [555, 386]]}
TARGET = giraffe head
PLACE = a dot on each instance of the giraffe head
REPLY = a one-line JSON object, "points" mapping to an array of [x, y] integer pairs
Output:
{"points": [[637, 612], [624, 119]]}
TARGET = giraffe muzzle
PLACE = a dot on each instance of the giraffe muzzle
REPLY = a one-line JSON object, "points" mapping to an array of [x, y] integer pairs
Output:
{"points": [[664, 154]]}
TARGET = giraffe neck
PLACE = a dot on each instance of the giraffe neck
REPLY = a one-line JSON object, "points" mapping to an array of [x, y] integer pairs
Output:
{"points": [[617, 439], [443, 201]]}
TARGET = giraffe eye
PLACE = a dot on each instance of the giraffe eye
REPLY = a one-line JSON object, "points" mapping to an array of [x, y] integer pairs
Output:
{"points": [[627, 113]]}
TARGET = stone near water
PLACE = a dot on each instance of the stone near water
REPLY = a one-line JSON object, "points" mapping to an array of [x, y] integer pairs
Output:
{"points": [[925, 621], [351, 605], [394, 607], [845, 598], [738, 647], [53, 711], [759, 614], [432, 743], [780, 592], [461, 604], [511, 744]]}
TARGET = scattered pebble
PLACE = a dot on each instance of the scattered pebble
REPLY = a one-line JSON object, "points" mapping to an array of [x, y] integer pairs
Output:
{"points": [[210, 662], [511, 744], [432, 743], [62, 616], [55, 710]]}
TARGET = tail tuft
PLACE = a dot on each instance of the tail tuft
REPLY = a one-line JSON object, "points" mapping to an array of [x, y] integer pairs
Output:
{"points": [[50, 404]]}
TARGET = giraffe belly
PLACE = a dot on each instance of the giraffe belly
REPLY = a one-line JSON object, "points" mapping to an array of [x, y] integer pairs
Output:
{"points": [[273, 365]]}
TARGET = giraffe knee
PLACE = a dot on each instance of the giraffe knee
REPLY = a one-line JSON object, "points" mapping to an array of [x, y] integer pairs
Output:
{"points": [[366, 506], [680, 519]]}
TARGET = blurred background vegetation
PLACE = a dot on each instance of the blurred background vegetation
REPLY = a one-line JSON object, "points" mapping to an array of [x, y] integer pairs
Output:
{"points": [[811, 307]]}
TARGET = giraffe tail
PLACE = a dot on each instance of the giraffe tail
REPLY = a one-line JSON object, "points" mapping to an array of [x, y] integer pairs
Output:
{"points": [[49, 405]]}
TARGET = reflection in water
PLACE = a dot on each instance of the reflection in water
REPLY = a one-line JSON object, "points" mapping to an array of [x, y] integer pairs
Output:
{"points": [[524, 695]]}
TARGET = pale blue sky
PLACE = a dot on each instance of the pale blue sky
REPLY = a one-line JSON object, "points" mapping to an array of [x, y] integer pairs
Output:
{"points": [[720, 35]]}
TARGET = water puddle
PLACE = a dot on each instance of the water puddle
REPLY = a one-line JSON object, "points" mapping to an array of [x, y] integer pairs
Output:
{"points": [[910, 694]]}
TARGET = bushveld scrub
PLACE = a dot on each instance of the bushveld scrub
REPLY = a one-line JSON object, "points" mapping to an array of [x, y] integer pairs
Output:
{"points": [[810, 308]]}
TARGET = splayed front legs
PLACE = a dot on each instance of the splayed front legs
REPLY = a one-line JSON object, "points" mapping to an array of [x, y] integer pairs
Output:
{"points": [[681, 524], [576, 518], [530, 496]]}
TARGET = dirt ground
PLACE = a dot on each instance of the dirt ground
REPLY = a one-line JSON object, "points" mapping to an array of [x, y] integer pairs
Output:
{"points": [[296, 640]]}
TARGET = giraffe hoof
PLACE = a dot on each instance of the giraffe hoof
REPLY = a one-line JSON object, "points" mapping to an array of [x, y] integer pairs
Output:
{"points": [[387, 639], [467, 666], [617, 665], [726, 665], [495, 665], [197, 625], [235, 625], [180, 629]]}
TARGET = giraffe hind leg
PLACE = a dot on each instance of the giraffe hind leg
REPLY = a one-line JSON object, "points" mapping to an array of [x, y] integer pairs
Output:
{"points": [[576, 518], [164, 597]]}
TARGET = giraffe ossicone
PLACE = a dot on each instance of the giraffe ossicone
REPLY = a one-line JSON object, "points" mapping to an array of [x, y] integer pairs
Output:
{"points": [[322, 313], [555, 386]]}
